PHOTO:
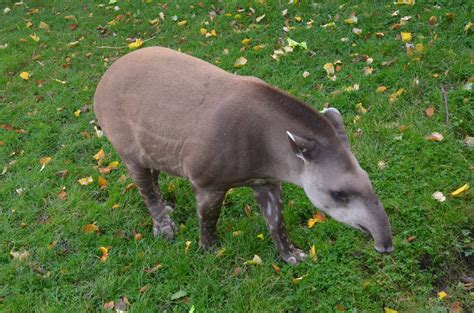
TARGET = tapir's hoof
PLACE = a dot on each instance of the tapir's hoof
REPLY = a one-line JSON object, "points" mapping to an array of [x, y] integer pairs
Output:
{"points": [[165, 228], [294, 256]]}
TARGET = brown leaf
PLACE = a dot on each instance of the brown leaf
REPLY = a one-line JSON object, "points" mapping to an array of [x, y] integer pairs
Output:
{"points": [[73, 26], [109, 305], [129, 187], [62, 195], [63, 173], [429, 111], [340, 307], [276, 268], [410, 239], [247, 210], [144, 288], [153, 269], [102, 182], [90, 228]]}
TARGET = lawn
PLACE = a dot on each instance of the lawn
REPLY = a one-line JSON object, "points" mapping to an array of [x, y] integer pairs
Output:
{"points": [[398, 69]]}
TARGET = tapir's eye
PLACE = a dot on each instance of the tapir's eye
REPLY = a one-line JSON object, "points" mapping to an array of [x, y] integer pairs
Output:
{"points": [[339, 196]]}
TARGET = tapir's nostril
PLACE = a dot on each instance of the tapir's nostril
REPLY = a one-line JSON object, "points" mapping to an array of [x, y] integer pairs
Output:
{"points": [[384, 250]]}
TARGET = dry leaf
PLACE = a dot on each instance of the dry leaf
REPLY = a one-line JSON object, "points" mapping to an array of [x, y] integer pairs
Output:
{"points": [[329, 68], [259, 18], [246, 41], [368, 70], [460, 191], [90, 228], [469, 141], [43, 161], [25, 75], [256, 260], [318, 217], [429, 111], [153, 269], [236, 233], [405, 2], [360, 108], [105, 253], [394, 96], [182, 23], [144, 288], [381, 89], [35, 38], [357, 31], [297, 280], [221, 252], [260, 236], [438, 196], [247, 210], [388, 310], [129, 187], [86, 181], [434, 137], [102, 182], [109, 305], [352, 19], [187, 246], [44, 26], [276, 268], [240, 62], [20, 255], [305, 74], [136, 44]]}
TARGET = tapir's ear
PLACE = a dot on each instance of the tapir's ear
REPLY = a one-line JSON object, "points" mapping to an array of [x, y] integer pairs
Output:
{"points": [[334, 116], [302, 148]]}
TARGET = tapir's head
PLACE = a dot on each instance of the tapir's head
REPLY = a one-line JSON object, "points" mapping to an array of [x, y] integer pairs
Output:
{"points": [[336, 184]]}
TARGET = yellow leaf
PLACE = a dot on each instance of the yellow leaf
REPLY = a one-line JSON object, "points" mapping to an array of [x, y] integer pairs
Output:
{"points": [[138, 237], [102, 182], [352, 19], [86, 181], [44, 26], [103, 250], [388, 310], [458, 192], [25, 75], [394, 96], [258, 48], [90, 228], [468, 26], [113, 164], [221, 252], [212, 33], [182, 23], [405, 2], [77, 113], [43, 161], [203, 31], [28, 24], [99, 155], [52, 245], [116, 206], [329, 68], [136, 44], [35, 38], [360, 108], [329, 25], [260, 236], [312, 253], [442, 295], [434, 137], [298, 18], [318, 217], [381, 89], [419, 47], [187, 246], [406, 37], [105, 253], [246, 41], [256, 260], [236, 233], [297, 280], [240, 62], [130, 187], [368, 70]]}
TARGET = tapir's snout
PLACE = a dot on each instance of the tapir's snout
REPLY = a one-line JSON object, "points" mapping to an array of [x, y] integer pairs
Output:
{"points": [[384, 250], [383, 234]]}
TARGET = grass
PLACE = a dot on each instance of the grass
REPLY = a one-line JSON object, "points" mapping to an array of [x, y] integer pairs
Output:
{"points": [[63, 271]]}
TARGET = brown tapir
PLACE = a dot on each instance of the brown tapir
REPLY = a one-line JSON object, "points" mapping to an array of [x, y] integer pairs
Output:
{"points": [[166, 111]]}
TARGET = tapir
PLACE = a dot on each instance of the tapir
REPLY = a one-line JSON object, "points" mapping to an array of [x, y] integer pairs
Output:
{"points": [[166, 111]]}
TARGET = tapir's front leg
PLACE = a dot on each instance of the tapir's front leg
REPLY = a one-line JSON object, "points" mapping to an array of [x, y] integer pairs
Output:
{"points": [[208, 205], [269, 199]]}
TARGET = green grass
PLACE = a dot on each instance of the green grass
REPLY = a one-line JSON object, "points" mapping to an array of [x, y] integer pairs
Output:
{"points": [[70, 277]]}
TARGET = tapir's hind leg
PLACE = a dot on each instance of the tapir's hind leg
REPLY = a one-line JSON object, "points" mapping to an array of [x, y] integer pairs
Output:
{"points": [[208, 207], [146, 181], [269, 199]]}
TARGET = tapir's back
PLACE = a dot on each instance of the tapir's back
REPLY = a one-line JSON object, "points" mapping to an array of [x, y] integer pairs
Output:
{"points": [[157, 99]]}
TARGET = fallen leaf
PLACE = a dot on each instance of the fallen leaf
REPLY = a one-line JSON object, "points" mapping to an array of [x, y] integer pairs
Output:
{"points": [[394, 96], [77, 113], [52, 245], [35, 38], [44, 26], [294, 44], [410, 239], [178, 295], [469, 141], [246, 41], [86, 181], [368, 70], [260, 236], [429, 111], [456, 307], [406, 37], [109, 305], [144, 288], [116, 206], [460, 191], [438, 196], [221, 252], [20, 255], [136, 44], [138, 236], [240, 62], [357, 31], [90, 228], [388, 310], [153, 269], [236, 233], [411, 3], [129, 187], [25, 75], [434, 137], [468, 26], [259, 18], [203, 31], [381, 164], [329, 68], [329, 25], [318, 217], [432, 20], [442, 295], [182, 23], [256, 260], [381, 89], [102, 182], [43, 161], [352, 19], [297, 280], [247, 210], [187, 246], [62, 195], [340, 308], [305, 74], [312, 253], [276, 268], [105, 253]]}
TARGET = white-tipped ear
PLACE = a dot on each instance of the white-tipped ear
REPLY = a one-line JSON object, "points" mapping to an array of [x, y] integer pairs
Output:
{"points": [[291, 136], [330, 110]]}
